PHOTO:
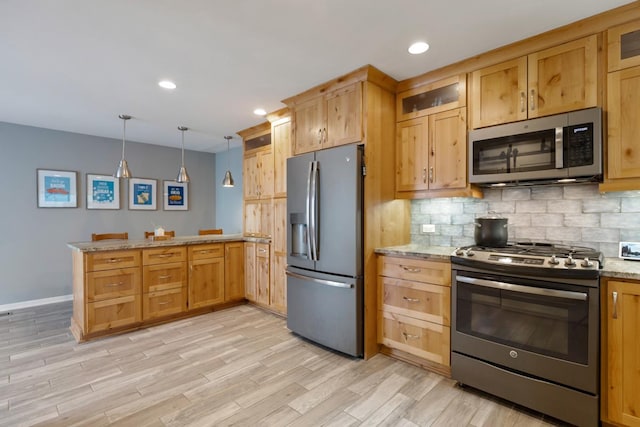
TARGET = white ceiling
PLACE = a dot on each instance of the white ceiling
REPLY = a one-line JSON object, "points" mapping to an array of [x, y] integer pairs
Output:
{"points": [[74, 65]]}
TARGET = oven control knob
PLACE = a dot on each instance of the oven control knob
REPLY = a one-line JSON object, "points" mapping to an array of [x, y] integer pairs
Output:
{"points": [[569, 262], [587, 263], [513, 354], [554, 260], [469, 252], [458, 252]]}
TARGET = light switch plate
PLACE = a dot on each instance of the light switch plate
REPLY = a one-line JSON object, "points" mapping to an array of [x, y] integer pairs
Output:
{"points": [[428, 228]]}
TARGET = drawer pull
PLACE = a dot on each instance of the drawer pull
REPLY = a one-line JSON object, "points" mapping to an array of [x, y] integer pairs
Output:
{"points": [[113, 285], [407, 299], [163, 303], [411, 269], [112, 260], [164, 255], [262, 251], [615, 305], [204, 252], [166, 276], [410, 336]]}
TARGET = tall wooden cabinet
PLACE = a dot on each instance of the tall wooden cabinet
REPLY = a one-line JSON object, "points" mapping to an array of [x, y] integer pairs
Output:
{"points": [[234, 271], [621, 351], [623, 109], [555, 80]]}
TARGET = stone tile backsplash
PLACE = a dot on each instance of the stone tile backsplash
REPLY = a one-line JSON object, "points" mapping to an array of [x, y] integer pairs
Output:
{"points": [[573, 215]]}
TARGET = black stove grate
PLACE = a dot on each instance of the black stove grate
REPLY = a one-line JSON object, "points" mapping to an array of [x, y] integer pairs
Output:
{"points": [[543, 249]]}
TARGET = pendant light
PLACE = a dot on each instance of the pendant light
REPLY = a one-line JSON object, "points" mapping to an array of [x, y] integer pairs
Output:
{"points": [[228, 179], [123, 168], [183, 176]]}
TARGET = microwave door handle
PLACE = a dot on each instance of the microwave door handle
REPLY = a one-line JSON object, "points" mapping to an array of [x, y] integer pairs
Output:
{"points": [[559, 148]]}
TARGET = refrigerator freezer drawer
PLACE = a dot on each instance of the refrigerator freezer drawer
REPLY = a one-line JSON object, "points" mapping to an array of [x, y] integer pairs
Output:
{"points": [[327, 310]]}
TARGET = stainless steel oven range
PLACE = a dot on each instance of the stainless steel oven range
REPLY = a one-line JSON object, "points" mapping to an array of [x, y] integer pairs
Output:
{"points": [[525, 326]]}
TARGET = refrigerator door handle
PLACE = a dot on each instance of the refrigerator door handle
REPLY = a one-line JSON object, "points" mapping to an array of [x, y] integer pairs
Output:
{"points": [[313, 211], [308, 213], [320, 281]]}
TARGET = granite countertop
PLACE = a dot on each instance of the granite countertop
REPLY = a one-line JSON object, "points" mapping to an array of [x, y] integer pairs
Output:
{"points": [[110, 245], [428, 252], [613, 267]]}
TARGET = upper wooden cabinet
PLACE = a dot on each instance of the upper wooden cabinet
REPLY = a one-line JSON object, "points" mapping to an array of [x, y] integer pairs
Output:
{"points": [[446, 94], [332, 119], [281, 147], [623, 46], [431, 153], [555, 80]]}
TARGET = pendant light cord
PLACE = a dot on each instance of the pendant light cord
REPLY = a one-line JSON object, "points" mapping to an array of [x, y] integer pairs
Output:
{"points": [[124, 132]]}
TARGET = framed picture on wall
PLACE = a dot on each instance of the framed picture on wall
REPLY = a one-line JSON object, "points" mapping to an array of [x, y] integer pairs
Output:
{"points": [[176, 196], [142, 194], [57, 189], [103, 192]]}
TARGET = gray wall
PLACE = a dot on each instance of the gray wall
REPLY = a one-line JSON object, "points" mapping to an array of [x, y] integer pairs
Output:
{"points": [[229, 200], [572, 214], [34, 259]]}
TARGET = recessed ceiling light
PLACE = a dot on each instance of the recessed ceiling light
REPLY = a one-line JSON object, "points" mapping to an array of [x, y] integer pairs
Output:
{"points": [[167, 84], [259, 112], [418, 48]]}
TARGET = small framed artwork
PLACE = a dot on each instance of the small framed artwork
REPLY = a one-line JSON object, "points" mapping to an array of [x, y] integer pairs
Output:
{"points": [[57, 189], [142, 194], [630, 250], [103, 192], [176, 196]]}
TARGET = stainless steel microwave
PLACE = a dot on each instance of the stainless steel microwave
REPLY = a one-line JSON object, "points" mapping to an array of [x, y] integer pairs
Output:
{"points": [[562, 148]]}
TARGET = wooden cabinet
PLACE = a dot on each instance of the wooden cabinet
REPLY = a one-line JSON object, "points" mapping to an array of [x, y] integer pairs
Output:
{"points": [[328, 120], [164, 281], [622, 170], [257, 218], [108, 284], [206, 275], [443, 95], [555, 80], [414, 306], [258, 175], [621, 352], [278, 282], [256, 272], [250, 284], [281, 142], [431, 153], [233, 271]]}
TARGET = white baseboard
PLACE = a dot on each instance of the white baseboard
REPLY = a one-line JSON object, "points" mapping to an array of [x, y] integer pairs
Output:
{"points": [[34, 303]]}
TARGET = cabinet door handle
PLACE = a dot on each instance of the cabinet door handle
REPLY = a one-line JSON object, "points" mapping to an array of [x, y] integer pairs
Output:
{"points": [[533, 97], [113, 285], [407, 299], [320, 136], [324, 138], [523, 101], [615, 304], [411, 269], [431, 174], [424, 175], [410, 336]]}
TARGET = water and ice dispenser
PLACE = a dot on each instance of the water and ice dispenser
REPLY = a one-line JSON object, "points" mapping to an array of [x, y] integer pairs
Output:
{"points": [[299, 244]]}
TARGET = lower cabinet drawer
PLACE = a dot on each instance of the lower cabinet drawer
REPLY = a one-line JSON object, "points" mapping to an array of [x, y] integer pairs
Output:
{"points": [[164, 303], [102, 285], [423, 339], [113, 313], [164, 276], [415, 299]]}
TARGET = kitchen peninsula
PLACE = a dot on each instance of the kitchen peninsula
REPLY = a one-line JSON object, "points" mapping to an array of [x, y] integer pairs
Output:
{"points": [[122, 285]]}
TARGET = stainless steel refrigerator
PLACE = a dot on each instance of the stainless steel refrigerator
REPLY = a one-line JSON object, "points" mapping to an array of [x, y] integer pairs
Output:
{"points": [[324, 247]]}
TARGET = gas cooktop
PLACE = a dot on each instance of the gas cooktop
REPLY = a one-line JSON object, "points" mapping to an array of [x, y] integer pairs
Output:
{"points": [[534, 254]]}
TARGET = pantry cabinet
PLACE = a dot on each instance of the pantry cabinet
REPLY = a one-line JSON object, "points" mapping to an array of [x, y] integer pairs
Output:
{"points": [[206, 275], [257, 218], [431, 153], [621, 352], [555, 80], [332, 119], [414, 310], [257, 269]]}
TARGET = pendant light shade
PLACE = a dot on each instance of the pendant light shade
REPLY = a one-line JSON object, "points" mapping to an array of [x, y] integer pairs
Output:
{"points": [[123, 167], [183, 176], [228, 179]]}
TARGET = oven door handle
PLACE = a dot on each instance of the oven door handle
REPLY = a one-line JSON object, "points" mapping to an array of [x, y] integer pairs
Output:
{"points": [[581, 296]]}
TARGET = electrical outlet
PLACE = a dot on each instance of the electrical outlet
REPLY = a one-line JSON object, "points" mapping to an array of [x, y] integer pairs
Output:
{"points": [[428, 228]]}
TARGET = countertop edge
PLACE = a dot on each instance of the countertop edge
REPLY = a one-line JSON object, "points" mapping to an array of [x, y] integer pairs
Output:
{"points": [[112, 245]]}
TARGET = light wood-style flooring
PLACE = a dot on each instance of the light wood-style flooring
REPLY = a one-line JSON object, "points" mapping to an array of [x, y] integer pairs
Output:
{"points": [[238, 367]]}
